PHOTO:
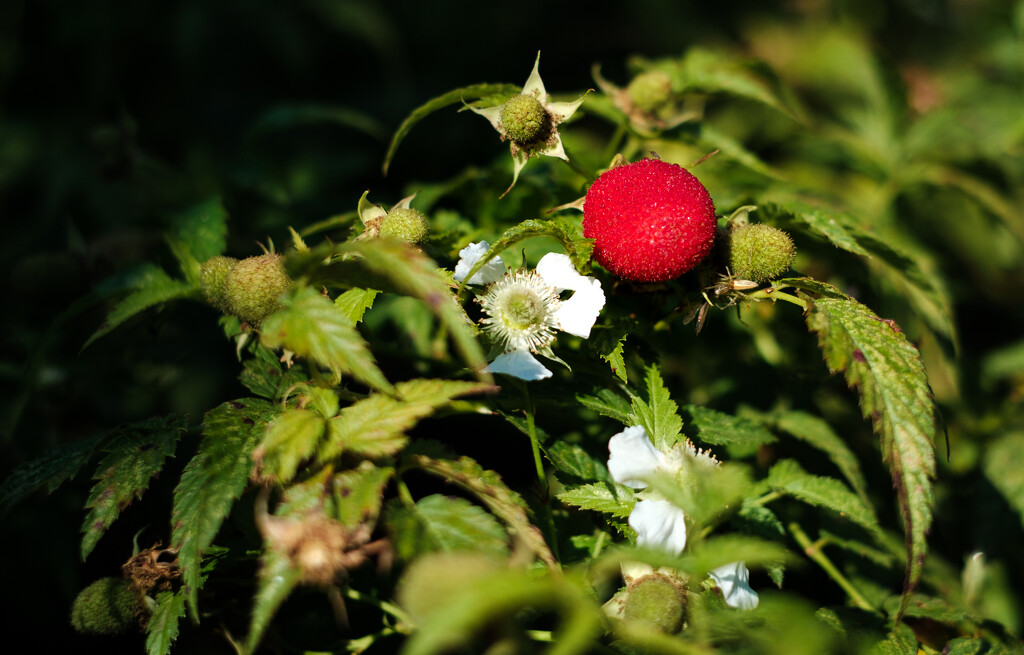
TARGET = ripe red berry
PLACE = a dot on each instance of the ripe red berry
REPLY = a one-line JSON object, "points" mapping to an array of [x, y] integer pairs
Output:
{"points": [[651, 221]]}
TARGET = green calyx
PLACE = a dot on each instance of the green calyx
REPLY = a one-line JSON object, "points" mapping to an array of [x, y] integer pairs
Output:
{"points": [[404, 224], [108, 606], [254, 286], [524, 119], [650, 91], [760, 252], [658, 601], [212, 275]]}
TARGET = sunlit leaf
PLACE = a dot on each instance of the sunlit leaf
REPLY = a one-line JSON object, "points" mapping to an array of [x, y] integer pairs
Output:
{"points": [[787, 477], [1004, 467], [277, 578], [573, 461], [355, 302], [606, 497], [608, 344], [656, 411], [441, 523], [135, 454], [213, 480], [290, 439], [886, 370], [376, 425], [311, 326]]}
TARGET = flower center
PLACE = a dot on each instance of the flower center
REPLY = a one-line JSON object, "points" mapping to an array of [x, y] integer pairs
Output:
{"points": [[520, 312]]}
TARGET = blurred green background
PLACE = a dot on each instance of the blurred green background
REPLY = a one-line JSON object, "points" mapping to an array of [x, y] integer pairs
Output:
{"points": [[114, 115]]}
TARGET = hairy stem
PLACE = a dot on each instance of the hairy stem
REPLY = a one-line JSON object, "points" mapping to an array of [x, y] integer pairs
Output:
{"points": [[815, 552]]}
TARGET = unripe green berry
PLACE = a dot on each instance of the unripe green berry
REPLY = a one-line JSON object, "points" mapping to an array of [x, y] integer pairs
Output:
{"points": [[404, 224], [108, 606], [253, 287], [760, 252], [524, 119], [658, 601], [212, 275], [650, 91]]}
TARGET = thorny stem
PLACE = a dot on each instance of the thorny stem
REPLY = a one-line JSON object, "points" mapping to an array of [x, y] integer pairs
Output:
{"points": [[771, 293], [814, 551]]}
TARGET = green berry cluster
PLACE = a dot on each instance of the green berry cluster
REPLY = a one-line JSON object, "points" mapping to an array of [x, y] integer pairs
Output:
{"points": [[524, 119], [109, 606], [250, 289], [404, 224], [657, 601], [759, 252], [650, 91]]}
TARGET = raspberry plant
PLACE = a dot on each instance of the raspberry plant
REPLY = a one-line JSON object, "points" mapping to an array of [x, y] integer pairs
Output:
{"points": [[735, 451]]}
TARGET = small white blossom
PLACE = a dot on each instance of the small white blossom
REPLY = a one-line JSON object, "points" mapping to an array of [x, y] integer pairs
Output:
{"points": [[523, 310], [732, 580]]}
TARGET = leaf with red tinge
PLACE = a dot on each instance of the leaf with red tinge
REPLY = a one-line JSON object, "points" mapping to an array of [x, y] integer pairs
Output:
{"points": [[886, 370]]}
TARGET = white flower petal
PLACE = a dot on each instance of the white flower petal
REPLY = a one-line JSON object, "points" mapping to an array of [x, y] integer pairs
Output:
{"points": [[519, 364], [659, 524], [732, 579], [563, 110], [578, 314], [404, 203], [631, 456], [492, 114], [492, 271], [558, 271], [534, 84]]}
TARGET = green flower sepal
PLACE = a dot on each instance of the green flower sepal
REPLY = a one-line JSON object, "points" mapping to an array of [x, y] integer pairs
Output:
{"points": [[529, 121], [402, 223]]}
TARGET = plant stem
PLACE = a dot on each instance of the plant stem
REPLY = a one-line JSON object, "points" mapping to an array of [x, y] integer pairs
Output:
{"points": [[542, 478], [814, 551], [773, 294], [383, 605]]}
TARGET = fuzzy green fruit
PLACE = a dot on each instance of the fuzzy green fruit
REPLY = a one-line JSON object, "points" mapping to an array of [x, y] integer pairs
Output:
{"points": [[524, 119], [108, 606], [404, 224], [253, 287], [760, 252], [658, 601], [212, 276], [650, 91]]}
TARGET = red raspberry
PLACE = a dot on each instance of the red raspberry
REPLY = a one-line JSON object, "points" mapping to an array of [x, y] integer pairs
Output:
{"points": [[652, 221]]}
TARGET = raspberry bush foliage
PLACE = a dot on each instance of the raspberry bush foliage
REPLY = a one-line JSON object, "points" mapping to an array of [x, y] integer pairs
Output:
{"points": [[459, 428]]}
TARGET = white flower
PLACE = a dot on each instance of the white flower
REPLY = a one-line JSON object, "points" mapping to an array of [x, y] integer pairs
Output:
{"points": [[523, 309], [732, 581], [530, 122], [659, 524]]}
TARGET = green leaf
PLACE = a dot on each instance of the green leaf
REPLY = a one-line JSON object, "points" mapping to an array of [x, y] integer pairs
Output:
{"points": [[212, 480], [162, 627], [443, 523], [264, 375], [376, 426], [358, 493], [152, 287], [886, 370], [818, 433], [610, 404], [787, 477], [712, 72], [901, 641], [59, 464], [135, 454], [658, 414], [355, 302], [472, 92], [571, 460], [926, 607], [608, 344], [196, 234], [488, 487], [926, 292], [311, 326], [290, 439], [706, 493], [740, 436], [276, 580], [1004, 468], [606, 497]]}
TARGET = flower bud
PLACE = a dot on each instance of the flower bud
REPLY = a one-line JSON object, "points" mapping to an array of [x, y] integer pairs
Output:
{"points": [[760, 252], [108, 606], [212, 275], [524, 119], [253, 287], [650, 91], [404, 224]]}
